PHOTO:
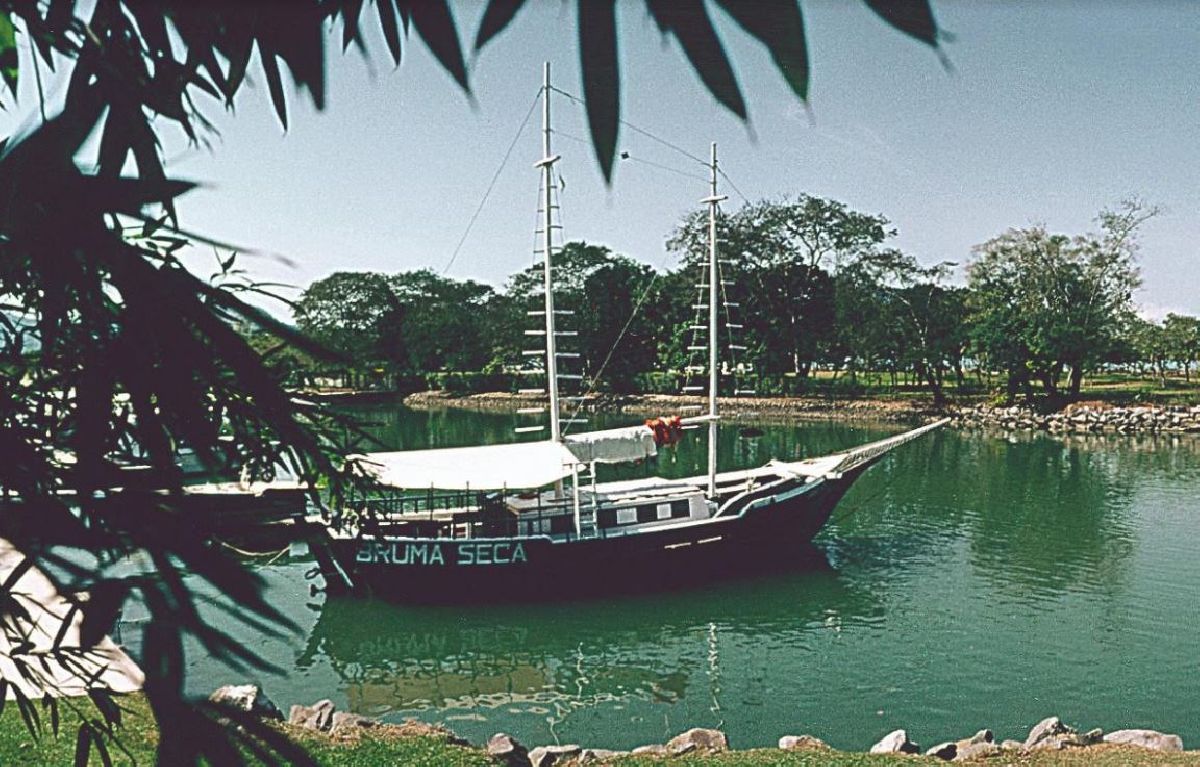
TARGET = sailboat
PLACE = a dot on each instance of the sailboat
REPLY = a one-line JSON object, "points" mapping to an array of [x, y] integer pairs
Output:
{"points": [[530, 519]]}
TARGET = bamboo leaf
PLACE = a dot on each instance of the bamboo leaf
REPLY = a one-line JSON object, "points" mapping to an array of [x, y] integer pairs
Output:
{"points": [[270, 67], [601, 79], [495, 19], [391, 30], [688, 21], [435, 23], [779, 25], [912, 17], [83, 745], [102, 749]]}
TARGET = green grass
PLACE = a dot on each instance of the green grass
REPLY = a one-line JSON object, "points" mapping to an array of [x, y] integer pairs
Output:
{"points": [[137, 738]]}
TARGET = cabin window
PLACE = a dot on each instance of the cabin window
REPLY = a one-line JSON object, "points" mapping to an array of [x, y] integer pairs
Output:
{"points": [[561, 524], [627, 516], [680, 509], [606, 517], [663, 510], [647, 513]]}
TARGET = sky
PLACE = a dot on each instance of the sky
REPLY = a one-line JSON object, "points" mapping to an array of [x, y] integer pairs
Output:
{"points": [[1049, 112]]}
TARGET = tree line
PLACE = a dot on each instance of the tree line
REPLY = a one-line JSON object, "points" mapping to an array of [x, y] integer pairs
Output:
{"points": [[807, 284]]}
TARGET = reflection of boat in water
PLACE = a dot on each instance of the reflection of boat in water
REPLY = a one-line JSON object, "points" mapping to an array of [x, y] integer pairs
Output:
{"points": [[562, 658], [522, 521]]}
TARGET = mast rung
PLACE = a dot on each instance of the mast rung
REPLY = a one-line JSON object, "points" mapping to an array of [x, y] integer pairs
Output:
{"points": [[567, 355], [731, 303], [567, 333], [697, 348], [690, 407], [533, 352], [737, 325], [694, 369], [525, 429], [547, 161], [573, 420], [535, 332], [698, 327], [542, 312], [737, 392], [693, 388], [699, 306], [530, 410], [531, 372], [571, 376], [739, 347], [580, 398], [716, 198], [528, 392]]}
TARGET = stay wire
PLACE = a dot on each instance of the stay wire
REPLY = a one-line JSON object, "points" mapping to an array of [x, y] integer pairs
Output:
{"points": [[660, 140], [637, 129], [492, 185], [612, 349]]}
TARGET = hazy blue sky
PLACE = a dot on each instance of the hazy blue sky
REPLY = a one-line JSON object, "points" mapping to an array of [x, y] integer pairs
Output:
{"points": [[1053, 110]]}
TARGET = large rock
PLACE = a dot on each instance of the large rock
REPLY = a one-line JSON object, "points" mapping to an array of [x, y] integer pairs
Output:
{"points": [[895, 742], [788, 742], [1046, 730], [945, 751], [505, 747], [599, 755], [698, 739], [344, 722], [546, 756], [1146, 739], [318, 716], [248, 698]]}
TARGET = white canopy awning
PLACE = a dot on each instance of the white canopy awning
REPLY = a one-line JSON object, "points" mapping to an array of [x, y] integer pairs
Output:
{"points": [[486, 467], [632, 443]]}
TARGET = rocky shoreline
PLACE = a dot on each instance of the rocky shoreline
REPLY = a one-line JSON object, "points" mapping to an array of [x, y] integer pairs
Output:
{"points": [[1085, 417], [1076, 418], [1049, 735]]}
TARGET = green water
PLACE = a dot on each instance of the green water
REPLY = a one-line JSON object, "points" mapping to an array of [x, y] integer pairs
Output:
{"points": [[971, 580]]}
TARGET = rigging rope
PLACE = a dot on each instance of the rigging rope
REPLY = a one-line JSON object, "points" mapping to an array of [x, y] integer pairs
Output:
{"points": [[637, 129], [492, 185]]}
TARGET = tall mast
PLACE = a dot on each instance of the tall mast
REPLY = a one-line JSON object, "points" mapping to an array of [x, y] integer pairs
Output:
{"points": [[547, 165], [713, 282]]}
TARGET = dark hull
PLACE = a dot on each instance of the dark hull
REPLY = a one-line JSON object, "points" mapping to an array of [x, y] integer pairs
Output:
{"points": [[772, 535]]}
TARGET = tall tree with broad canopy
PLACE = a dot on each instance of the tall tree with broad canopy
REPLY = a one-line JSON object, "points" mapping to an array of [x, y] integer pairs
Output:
{"points": [[781, 257], [1046, 303]]}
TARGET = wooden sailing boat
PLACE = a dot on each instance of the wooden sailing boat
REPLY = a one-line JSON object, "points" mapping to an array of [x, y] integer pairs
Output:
{"points": [[529, 519]]}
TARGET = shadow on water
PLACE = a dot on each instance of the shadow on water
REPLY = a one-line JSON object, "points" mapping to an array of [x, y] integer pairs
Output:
{"points": [[568, 657]]}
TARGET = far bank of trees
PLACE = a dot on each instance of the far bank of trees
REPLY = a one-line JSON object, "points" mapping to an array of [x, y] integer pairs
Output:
{"points": [[814, 297]]}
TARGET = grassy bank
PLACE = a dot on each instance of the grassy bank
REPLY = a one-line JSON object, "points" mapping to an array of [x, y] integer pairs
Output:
{"points": [[137, 738]]}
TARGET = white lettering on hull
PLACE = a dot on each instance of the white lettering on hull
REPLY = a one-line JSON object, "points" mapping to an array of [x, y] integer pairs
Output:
{"points": [[473, 554]]}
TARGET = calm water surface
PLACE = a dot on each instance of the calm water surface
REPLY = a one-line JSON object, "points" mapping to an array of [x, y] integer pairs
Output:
{"points": [[973, 579]]}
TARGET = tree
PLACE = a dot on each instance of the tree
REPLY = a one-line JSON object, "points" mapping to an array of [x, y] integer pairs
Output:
{"points": [[1048, 302], [782, 258], [108, 316], [445, 324], [1181, 338], [604, 293], [346, 311]]}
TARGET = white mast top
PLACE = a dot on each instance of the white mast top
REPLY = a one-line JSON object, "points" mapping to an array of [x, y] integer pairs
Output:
{"points": [[547, 164]]}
